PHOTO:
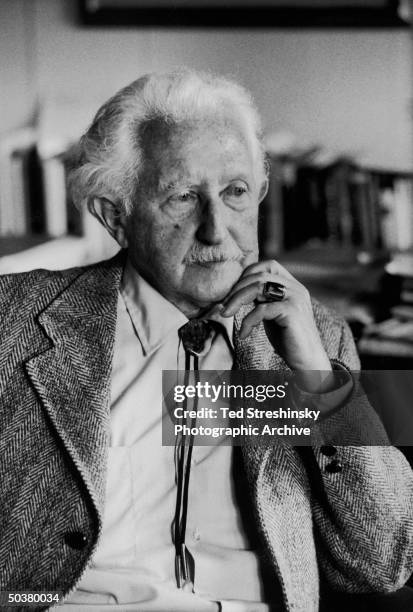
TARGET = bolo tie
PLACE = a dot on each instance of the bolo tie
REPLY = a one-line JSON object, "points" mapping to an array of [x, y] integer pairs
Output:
{"points": [[193, 336]]}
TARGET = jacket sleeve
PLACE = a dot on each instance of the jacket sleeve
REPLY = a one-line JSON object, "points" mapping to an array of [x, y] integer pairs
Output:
{"points": [[362, 501]]}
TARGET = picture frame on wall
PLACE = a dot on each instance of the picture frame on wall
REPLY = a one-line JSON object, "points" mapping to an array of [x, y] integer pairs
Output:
{"points": [[244, 13]]}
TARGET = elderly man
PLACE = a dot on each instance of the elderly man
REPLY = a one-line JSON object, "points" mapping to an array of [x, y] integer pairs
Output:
{"points": [[92, 503]]}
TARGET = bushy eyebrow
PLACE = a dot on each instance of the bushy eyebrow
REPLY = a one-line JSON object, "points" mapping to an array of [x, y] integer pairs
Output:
{"points": [[167, 186], [240, 177]]}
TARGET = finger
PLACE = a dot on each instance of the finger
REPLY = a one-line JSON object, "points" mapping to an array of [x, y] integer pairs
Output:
{"points": [[253, 292], [269, 265], [259, 314], [258, 277], [246, 295]]}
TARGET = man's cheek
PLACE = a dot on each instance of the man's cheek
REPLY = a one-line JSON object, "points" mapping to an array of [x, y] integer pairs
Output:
{"points": [[247, 240]]}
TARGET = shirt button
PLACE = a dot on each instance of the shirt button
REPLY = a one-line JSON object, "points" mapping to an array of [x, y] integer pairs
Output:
{"points": [[75, 539], [196, 535], [334, 467]]}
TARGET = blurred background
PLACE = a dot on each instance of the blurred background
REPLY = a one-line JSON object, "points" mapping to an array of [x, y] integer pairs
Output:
{"points": [[333, 82]]}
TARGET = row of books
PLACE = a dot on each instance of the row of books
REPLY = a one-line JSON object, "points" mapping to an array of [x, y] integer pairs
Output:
{"points": [[39, 224], [309, 202], [337, 204], [33, 195]]}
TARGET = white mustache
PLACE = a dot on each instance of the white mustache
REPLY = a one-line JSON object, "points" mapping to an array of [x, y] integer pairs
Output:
{"points": [[201, 254]]}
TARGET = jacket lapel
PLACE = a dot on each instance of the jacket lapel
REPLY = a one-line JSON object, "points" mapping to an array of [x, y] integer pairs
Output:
{"points": [[72, 377]]}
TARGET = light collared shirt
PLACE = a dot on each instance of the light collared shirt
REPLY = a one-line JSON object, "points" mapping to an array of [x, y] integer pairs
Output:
{"points": [[133, 567]]}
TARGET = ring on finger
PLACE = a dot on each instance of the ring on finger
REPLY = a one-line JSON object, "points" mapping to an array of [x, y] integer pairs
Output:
{"points": [[274, 292]]}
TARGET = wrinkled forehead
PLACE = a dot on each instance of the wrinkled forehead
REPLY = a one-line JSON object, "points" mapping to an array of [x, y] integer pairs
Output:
{"points": [[195, 153], [161, 132], [162, 140]]}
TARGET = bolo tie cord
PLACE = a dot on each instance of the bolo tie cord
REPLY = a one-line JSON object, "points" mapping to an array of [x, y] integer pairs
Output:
{"points": [[184, 565]]}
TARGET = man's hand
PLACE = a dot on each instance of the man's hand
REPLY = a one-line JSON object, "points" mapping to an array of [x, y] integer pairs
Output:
{"points": [[289, 324]]}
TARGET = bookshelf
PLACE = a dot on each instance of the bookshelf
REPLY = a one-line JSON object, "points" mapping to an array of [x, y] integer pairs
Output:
{"points": [[346, 232], [335, 202]]}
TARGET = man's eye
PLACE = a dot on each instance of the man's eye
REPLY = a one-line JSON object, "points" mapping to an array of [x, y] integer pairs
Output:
{"points": [[186, 197], [236, 190]]}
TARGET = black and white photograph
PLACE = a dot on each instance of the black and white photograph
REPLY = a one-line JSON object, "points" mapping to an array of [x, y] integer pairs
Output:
{"points": [[206, 305]]}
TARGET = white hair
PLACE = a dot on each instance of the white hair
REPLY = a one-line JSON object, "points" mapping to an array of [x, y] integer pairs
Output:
{"points": [[107, 161]]}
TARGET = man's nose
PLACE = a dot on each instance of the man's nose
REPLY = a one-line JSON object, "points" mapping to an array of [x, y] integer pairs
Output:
{"points": [[212, 228]]}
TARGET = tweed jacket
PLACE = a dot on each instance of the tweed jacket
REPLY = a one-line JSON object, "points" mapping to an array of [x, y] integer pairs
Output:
{"points": [[351, 530]]}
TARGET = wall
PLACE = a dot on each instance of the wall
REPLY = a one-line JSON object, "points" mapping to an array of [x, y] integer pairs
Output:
{"points": [[17, 58], [350, 91]]}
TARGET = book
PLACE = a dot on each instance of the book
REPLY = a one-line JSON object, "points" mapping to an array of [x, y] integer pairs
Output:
{"points": [[54, 180], [363, 209], [27, 192], [13, 187], [19, 193], [387, 218], [403, 213], [36, 205]]}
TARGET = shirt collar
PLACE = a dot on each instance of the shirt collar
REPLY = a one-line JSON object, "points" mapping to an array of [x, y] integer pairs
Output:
{"points": [[153, 316]]}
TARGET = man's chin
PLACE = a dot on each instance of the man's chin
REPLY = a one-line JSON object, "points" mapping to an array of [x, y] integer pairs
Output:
{"points": [[205, 300], [207, 289]]}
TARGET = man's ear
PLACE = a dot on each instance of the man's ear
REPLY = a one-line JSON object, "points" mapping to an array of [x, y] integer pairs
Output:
{"points": [[112, 218], [263, 190]]}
